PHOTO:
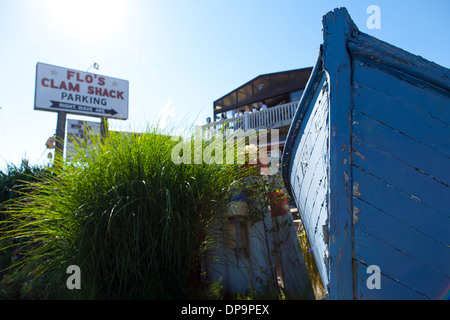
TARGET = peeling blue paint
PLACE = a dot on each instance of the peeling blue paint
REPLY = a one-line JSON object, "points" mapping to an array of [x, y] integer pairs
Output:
{"points": [[367, 161]]}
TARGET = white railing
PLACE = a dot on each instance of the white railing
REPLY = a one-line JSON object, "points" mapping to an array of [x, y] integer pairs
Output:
{"points": [[271, 118]]}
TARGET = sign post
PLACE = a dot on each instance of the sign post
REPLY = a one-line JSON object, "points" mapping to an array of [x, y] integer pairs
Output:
{"points": [[104, 127], [60, 134], [64, 90]]}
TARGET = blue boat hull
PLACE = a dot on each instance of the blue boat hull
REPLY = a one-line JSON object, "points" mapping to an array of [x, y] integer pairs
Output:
{"points": [[367, 161]]}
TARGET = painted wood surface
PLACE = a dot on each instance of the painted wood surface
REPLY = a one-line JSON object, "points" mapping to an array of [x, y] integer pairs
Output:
{"points": [[337, 28], [385, 156], [310, 185], [290, 263], [401, 146]]}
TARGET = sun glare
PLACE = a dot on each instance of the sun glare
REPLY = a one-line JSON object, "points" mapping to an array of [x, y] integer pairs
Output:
{"points": [[89, 20]]}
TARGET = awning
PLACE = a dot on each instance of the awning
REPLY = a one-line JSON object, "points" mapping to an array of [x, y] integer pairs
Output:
{"points": [[263, 87]]}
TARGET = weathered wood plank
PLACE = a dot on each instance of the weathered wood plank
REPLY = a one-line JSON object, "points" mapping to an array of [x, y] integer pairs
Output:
{"points": [[413, 182], [401, 155], [299, 121], [401, 147], [317, 204], [390, 289], [307, 135], [316, 170], [399, 266], [318, 197], [312, 174], [385, 55], [337, 27], [414, 95], [401, 117], [310, 169], [320, 248], [402, 206], [402, 237]]}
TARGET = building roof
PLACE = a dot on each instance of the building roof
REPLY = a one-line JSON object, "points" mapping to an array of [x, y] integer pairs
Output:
{"points": [[263, 87]]}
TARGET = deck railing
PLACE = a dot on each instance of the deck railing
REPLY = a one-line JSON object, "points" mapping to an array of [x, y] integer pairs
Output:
{"points": [[274, 117]]}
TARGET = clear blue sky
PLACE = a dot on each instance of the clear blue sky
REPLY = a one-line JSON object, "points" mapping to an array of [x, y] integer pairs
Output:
{"points": [[178, 55]]}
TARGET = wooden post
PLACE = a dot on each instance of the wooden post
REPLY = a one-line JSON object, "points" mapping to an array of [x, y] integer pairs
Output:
{"points": [[60, 134], [246, 121], [337, 28], [104, 127]]}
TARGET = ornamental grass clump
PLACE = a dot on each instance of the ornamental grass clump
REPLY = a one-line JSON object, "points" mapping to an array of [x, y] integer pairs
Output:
{"points": [[121, 210]]}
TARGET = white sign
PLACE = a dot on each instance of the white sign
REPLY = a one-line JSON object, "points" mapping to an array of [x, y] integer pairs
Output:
{"points": [[72, 91], [78, 130]]}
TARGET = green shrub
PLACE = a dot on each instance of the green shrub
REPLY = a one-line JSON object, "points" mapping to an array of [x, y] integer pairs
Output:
{"points": [[13, 181], [131, 219]]}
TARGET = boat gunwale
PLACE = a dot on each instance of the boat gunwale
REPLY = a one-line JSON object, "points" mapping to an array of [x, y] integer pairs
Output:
{"points": [[401, 63], [297, 121]]}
